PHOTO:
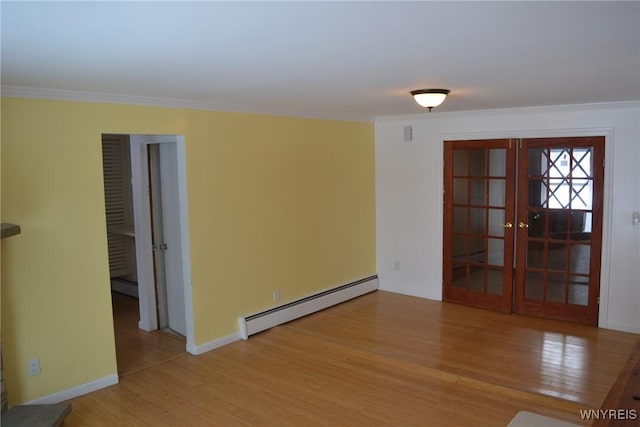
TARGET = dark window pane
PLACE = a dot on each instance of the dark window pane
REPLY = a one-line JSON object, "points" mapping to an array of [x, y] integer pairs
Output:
{"points": [[556, 287], [558, 256], [498, 162], [534, 282], [478, 162], [460, 220], [494, 281], [580, 259], [476, 279], [535, 254], [460, 191], [460, 163], [478, 192]]}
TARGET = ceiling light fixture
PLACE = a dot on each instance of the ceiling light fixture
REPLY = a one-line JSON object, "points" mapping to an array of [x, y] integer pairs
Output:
{"points": [[430, 98]]}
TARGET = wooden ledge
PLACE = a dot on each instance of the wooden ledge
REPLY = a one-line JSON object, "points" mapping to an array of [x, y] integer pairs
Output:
{"points": [[36, 415], [624, 396], [9, 230]]}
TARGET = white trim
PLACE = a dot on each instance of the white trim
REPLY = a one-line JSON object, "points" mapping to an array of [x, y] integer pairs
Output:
{"points": [[76, 391], [141, 219], [116, 98], [258, 322], [140, 187], [614, 326], [571, 108], [212, 345], [185, 243]]}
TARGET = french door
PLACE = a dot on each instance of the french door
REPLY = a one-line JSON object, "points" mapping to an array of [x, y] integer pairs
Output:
{"points": [[523, 225]]}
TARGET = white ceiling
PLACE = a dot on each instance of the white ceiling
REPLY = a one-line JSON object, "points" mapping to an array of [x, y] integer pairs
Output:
{"points": [[348, 60]]}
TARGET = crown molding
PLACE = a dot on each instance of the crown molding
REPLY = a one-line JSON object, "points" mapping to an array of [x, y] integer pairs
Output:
{"points": [[113, 98], [516, 110]]}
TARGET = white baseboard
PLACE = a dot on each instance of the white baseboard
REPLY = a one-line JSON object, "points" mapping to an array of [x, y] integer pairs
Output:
{"points": [[212, 345], [76, 391], [633, 329], [258, 322], [124, 287]]}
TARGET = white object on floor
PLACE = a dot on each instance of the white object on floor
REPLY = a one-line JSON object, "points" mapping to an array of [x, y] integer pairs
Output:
{"points": [[529, 419]]}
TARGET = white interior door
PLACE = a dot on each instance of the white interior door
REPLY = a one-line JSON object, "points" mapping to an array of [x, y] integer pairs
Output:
{"points": [[172, 245], [158, 163]]}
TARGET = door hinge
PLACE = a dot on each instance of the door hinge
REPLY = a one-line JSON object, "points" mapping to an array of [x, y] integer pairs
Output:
{"points": [[598, 300]]}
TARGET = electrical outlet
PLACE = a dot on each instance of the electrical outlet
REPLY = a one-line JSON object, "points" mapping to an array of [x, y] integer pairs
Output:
{"points": [[33, 367], [635, 218], [276, 295]]}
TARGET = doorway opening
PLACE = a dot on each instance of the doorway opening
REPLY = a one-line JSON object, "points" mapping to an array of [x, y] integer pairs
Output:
{"points": [[146, 214], [523, 225]]}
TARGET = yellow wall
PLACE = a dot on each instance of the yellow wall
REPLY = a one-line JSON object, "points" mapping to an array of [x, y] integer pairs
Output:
{"points": [[274, 202]]}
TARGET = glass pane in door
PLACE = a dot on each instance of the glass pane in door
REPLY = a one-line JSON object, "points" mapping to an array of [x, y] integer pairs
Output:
{"points": [[477, 209], [557, 185]]}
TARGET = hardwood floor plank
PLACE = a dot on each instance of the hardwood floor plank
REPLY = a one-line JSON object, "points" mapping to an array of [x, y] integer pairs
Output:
{"points": [[381, 359], [137, 349]]}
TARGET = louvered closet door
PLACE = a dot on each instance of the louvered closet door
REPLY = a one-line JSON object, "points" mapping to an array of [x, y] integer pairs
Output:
{"points": [[478, 223], [115, 158]]}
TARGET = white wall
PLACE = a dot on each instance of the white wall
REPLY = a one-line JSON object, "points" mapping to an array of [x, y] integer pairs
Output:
{"points": [[409, 194]]}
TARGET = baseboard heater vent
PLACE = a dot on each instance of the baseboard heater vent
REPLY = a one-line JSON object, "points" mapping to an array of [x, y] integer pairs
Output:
{"points": [[259, 322]]}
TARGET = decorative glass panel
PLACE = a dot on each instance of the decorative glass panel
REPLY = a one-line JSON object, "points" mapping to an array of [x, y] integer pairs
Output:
{"points": [[582, 194]]}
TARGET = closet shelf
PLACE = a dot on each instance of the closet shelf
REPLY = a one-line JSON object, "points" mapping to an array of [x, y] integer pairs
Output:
{"points": [[122, 230]]}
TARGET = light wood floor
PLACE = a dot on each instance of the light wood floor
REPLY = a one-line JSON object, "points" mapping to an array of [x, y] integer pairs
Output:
{"points": [[381, 359], [137, 349]]}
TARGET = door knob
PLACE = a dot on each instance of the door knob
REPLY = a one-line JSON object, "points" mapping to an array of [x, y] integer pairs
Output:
{"points": [[507, 225], [523, 225]]}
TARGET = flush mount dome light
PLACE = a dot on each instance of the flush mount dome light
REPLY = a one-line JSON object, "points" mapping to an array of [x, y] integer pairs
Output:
{"points": [[430, 98]]}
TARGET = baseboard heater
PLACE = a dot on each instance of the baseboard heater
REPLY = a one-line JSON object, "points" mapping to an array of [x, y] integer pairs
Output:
{"points": [[259, 322]]}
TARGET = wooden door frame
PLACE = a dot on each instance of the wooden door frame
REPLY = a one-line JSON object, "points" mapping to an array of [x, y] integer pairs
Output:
{"points": [[607, 215], [588, 314], [502, 302]]}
